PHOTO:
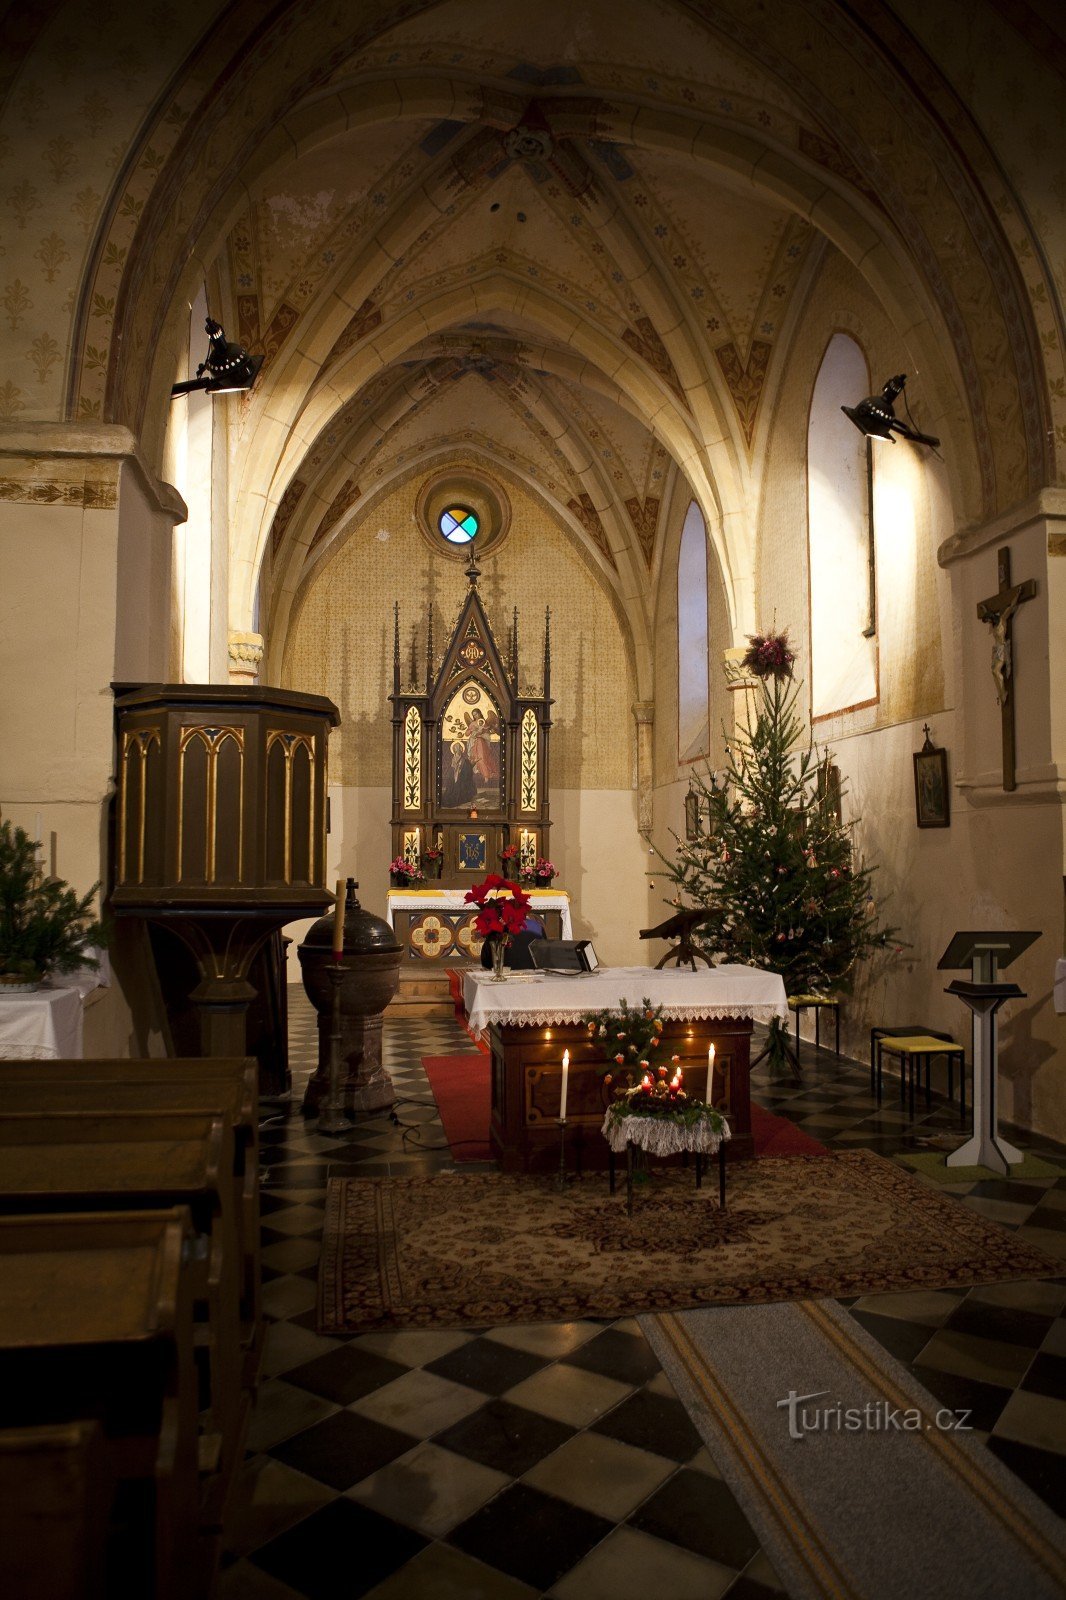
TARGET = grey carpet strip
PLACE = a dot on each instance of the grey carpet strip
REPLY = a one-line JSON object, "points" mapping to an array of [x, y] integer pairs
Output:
{"points": [[858, 1510]]}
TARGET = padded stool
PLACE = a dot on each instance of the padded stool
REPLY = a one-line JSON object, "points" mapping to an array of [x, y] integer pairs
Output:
{"points": [[897, 1033], [913, 1049], [817, 1003]]}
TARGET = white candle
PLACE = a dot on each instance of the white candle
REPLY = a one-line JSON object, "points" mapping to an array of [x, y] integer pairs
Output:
{"points": [[338, 922], [562, 1092], [38, 834], [710, 1075]]}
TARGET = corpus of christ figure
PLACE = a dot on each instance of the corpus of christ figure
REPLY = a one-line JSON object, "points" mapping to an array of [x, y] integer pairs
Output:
{"points": [[998, 611]]}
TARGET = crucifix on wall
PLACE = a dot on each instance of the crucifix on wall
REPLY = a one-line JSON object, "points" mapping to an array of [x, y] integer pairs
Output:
{"points": [[998, 611]]}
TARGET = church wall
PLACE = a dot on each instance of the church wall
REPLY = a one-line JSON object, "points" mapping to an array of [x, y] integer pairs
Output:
{"points": [[991, 867], [341, 644], [84, 603]]}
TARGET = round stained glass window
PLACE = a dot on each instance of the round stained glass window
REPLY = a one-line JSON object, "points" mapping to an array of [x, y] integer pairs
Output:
{"points": [[458, 524]]}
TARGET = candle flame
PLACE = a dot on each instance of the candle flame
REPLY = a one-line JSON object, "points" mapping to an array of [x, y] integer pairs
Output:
{"points": [[566, 1060]]}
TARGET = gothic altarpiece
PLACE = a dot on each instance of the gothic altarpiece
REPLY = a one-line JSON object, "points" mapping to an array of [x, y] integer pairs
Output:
{"points": [[469, 775]]}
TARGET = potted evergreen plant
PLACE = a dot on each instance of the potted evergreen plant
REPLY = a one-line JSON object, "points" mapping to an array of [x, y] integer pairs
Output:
{"points": [[44, 927]]}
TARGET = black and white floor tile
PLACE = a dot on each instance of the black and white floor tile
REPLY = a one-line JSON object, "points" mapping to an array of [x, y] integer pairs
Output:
{"points": [[554, 1459]]}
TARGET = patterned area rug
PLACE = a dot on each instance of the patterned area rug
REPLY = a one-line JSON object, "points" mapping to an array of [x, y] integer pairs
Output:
{"points": [[456, 1250]]}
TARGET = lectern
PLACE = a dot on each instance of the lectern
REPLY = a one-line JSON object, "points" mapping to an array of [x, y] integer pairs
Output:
{"points": [[984, 993]]}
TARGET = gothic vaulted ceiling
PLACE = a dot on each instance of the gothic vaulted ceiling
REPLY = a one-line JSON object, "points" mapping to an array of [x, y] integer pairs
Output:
{"points": [[575, 239]]}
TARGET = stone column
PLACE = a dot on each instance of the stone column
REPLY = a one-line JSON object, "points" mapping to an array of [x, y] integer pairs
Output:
{"points": [[644, 713], [743, 689]]}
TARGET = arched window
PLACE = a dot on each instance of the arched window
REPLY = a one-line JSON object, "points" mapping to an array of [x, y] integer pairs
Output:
{"points": [[692, 714], [843, 647]]}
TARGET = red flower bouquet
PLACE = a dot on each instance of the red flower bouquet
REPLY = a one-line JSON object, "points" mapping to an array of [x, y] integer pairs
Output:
{"points": [[502, 910]]}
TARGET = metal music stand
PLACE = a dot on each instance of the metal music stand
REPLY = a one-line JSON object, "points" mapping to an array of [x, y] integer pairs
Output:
{"points": [[984, 993]]}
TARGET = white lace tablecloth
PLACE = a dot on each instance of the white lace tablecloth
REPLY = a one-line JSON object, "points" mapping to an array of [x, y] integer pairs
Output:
{"points": [[455, 900], [661, 1137], [728, 991]]}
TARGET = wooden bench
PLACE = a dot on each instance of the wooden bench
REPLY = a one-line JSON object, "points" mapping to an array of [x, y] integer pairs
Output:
{"points": [[55, 1505], [206, 1085], [96, 1325], [61, 1161]]}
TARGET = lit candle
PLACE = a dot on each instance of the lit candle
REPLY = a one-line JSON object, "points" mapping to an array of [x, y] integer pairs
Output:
{"points": [[562, 1091], [710, 1075], [338, 922]]}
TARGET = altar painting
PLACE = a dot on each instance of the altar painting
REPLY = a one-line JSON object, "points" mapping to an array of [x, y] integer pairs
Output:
{"points": [[471, 751]]}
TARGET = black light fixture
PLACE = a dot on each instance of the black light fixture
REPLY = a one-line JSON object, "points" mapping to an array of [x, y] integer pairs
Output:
{"points": [[876, 418], [227, 369]]}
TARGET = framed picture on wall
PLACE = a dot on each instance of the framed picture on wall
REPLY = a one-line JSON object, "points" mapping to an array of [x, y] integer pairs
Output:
{"points": [[932, 801]]}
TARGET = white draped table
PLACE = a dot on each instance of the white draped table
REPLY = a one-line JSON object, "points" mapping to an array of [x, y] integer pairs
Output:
{"points": [[46, 1024], [455, 900], [531, 1018], [536, 999]]}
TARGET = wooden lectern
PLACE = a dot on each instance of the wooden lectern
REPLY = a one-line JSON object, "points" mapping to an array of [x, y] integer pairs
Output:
{"points": [[984, 993]]}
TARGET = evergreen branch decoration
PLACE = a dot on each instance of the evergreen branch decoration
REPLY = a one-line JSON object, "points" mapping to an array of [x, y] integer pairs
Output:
{"points": [[44, 926], [631, 1037]]}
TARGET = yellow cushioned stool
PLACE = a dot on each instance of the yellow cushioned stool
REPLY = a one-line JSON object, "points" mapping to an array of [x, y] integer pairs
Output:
{"points": [[913, 1049], [817, 1002]]}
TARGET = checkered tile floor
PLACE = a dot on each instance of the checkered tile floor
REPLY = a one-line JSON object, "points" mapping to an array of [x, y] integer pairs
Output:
{"points": [[556, 1460]]}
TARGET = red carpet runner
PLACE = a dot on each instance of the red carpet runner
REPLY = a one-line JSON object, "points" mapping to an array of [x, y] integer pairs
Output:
{"points": [[460, 1087]]}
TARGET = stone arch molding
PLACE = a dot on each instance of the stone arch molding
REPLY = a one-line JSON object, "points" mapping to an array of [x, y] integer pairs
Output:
{"points": [[283, 442]]}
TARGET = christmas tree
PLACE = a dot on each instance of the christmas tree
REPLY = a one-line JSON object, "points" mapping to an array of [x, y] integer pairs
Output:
{"points": [[772, 859], [44, 926]]}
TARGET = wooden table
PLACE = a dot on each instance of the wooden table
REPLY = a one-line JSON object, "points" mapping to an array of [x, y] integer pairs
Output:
{"points": [[530, 1020]]}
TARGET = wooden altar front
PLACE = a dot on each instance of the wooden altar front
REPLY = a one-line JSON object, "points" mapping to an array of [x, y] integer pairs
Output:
{"points": [[527, 1082]]}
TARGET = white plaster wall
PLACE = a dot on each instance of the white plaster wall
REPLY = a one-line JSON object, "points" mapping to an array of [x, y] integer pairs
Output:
{"points": [[84, 603]]}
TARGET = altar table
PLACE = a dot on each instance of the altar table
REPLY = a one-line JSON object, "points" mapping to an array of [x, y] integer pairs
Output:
{"points": [[46, 1024], [436, 928], [531, 1018]]}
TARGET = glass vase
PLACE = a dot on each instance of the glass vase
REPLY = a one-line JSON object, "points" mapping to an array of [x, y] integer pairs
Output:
{"points": [[499, 952]]}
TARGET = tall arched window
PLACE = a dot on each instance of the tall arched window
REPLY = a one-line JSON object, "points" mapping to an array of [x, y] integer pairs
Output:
{"points": [[692, 715], [843, 649]]}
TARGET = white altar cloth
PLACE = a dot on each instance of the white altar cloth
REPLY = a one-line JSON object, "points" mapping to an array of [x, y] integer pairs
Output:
{"points": [[530, 1000], [46, 1025], [455, 900]]}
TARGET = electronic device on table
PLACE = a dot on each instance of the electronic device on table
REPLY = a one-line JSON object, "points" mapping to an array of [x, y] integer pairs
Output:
{"points": [[570, 956]]}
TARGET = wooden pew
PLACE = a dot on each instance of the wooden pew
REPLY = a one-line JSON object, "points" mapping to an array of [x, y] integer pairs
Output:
{"points": [[96, 1326], [55, 1504], [208, 1085], [62, 1161]]}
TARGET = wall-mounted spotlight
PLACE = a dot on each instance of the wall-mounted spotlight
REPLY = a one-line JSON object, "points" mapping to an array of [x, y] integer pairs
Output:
{"points": [[876, 418], [227, 369]]}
